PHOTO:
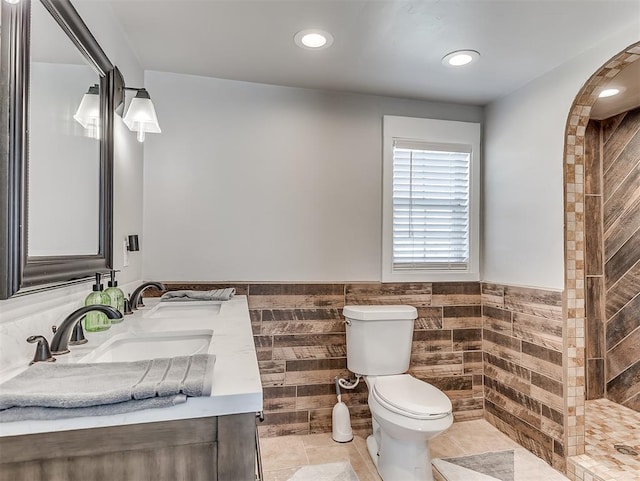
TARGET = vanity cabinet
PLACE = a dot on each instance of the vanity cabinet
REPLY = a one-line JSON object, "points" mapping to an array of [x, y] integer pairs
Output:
{"points": [[202, 449], [208, 438]]}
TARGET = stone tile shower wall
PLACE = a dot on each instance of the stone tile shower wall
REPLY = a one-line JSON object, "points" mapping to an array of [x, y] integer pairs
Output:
{"points": [[621, 237], [523, 367], [594, 265], [574, 205], [612, 243]]}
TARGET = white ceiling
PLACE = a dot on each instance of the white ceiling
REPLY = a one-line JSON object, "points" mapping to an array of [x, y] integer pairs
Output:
{"points": [[628, 82], [381, 47]]}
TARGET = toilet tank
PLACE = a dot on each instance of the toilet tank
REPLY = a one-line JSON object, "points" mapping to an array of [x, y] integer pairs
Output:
{"points": [[379, 339]]}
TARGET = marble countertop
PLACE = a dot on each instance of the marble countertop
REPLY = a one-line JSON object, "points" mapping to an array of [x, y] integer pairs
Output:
{"points": [[236, 379]]}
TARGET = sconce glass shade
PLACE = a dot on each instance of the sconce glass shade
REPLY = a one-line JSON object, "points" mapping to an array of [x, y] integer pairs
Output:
{"points": [[141, 116], [88, 113]]}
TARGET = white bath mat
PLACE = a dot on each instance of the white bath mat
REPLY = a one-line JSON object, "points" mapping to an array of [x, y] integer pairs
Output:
{"points": [[498, 466], [341, 471], [512, 465]]}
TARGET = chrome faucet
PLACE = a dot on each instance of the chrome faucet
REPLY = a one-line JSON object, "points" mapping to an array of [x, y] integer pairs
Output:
{"points": [[135, 298], [60, 341]]}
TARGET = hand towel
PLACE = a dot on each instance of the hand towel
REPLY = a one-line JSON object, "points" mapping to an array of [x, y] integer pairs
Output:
{"points": [[215, 295], [38, 413], [53, 385]]}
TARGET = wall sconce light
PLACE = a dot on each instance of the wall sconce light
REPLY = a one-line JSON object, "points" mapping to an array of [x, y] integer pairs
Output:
{"points": [[88, 113], [141, 116], [13, 2]]}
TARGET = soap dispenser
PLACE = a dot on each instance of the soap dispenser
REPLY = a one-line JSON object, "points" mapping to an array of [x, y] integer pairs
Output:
{"points": [[95, 321], [116, 297]]}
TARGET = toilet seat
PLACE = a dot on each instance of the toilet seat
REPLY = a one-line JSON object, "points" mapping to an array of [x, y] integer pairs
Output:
{"points": [[403, 394]]}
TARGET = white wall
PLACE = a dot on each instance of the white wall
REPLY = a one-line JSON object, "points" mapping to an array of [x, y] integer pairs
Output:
{"points": [[522, 171], [128, 157], [265, 183], [35, 313]]}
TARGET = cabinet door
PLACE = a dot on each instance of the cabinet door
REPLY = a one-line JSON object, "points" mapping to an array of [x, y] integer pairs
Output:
{"points": [[236, 447]]}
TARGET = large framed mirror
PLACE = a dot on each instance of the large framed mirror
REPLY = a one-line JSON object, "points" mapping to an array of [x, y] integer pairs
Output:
{"points": [[56, 152]]}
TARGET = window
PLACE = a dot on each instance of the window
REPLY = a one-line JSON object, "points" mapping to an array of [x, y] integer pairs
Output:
{"points": [[430, 219]]}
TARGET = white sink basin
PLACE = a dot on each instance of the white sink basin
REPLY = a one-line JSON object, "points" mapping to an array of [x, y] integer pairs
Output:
{"points": [[152, 345], [184, 309]]}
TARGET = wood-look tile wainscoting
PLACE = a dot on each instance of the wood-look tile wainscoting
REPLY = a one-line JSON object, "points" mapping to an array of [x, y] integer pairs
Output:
{"points": [[612, 258], [523, 367], [510, 337]]}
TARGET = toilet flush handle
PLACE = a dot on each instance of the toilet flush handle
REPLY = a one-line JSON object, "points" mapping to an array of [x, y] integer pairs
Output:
{"points": [[347, 322]]}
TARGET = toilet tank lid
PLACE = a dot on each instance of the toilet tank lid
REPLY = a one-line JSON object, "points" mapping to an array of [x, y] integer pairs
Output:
{"points": [[380, 313]]}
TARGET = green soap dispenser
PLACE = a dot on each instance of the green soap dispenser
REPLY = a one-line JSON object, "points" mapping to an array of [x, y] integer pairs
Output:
{"points": [[116, 297], [95, 321]]}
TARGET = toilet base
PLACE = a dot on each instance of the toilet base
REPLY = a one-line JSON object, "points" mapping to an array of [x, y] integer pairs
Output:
{"points": [[398, 460], [372, 447]]}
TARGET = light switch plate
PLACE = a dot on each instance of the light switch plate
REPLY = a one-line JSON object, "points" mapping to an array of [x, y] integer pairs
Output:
{"points": [[125, 252]]}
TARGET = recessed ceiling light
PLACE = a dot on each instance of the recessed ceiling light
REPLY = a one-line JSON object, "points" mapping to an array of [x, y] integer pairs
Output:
{"points": [[460, 58], [313, 39], [608, 93]]}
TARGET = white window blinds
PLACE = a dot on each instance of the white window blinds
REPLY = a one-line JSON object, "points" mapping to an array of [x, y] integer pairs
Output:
{"points": [[430, 206]]}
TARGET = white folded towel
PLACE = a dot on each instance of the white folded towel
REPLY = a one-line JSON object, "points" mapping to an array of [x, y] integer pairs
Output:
{"points": [[45, 388], [214, 295]]}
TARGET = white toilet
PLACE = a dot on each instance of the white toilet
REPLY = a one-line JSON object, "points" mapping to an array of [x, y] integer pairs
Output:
{"points": [[406, 412]]}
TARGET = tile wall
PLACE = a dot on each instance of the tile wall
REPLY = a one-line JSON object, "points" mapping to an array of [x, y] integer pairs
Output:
{"points": [[612, 243], [594, 265], [523, 367], [574, 207]]}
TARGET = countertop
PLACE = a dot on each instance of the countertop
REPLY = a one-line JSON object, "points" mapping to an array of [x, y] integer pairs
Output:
{"points": [[236, 379]]}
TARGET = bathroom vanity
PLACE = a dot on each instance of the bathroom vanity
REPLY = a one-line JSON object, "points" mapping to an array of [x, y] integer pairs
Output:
{"points": [[206, 438]]}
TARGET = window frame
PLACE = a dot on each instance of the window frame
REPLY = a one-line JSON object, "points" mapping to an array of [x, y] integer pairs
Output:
{"points": [[430, 131]]}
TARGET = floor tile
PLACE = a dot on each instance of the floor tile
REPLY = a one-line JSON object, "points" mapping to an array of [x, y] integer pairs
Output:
{"points": [[529, 467], [284, 455], [479, 436], [331, 454], [280, 474], [608, 424], [315, 440], [283, 452], [444, 446]]}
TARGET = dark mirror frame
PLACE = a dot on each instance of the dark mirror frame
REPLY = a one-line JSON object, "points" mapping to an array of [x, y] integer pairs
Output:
{"points": [[19, 273]]}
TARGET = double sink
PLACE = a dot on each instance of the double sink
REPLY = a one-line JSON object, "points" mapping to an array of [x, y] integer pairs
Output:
{"points": [[169, 329]]}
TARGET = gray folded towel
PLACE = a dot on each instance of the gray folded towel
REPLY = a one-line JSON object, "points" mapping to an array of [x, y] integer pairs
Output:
{"points": [[50, 385], [215, 295], [38, 413]]}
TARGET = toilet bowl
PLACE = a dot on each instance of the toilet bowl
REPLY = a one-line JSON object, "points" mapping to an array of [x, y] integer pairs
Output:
{"points": [[406, 412]]}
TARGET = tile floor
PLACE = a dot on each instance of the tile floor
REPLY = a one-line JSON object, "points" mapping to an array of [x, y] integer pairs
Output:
{"points": [[607, 424], [282, 456]]}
